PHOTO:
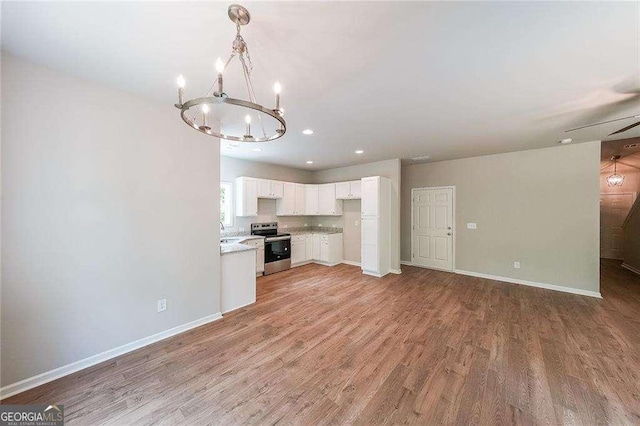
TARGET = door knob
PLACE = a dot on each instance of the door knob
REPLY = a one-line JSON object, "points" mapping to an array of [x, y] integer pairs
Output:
{"points": [[449, 228], [448, 233]]}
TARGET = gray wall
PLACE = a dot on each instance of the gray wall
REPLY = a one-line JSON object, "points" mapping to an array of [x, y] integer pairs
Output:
{"points": [[232, 168], [389, 169], [109, 203], [632, 238], [540, 207]]}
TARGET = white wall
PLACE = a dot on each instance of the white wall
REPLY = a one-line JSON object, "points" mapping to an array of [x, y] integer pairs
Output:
{"points": [[109, 203], [232, 168], [540, 207]]}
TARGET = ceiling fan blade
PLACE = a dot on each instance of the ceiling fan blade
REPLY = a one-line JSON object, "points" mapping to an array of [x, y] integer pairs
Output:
{"points": [[602, 122], [624, 129]]}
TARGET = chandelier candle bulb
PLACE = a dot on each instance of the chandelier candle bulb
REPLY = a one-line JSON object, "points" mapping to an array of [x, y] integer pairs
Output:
{"points": [[247, 120], [220, 69], [181, 82], [205, 111], [277, 88]]}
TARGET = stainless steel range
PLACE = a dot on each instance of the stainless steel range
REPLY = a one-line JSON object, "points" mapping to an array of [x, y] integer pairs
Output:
{"points": [[277, 247]]}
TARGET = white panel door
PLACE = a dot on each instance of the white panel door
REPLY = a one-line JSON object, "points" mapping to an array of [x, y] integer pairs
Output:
{"points": [[614, 209], [311, 200], [432, 233], [277, 189], [287, 204], [327, 199], [264, 188], [316, 246]]}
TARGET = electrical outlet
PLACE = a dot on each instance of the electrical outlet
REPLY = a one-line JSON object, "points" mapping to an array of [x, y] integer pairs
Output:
{"points": [[162, 305], [472, 226], [357, 222], [285, 226], [319, 225], [516, 265], [306, 224]]}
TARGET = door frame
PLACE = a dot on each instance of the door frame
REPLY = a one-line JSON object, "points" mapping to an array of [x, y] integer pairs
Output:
{"points": [[634, 196], [453, 226]]}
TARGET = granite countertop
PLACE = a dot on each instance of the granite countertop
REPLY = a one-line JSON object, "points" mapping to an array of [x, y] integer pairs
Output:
{"points": [[314, 230], [235, 248]]}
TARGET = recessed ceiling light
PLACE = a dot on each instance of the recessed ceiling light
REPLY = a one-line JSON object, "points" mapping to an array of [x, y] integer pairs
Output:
{"points": [[421, 158], [307, 132], [359, 151], [565, 141], [257, 149], [309, 162]]}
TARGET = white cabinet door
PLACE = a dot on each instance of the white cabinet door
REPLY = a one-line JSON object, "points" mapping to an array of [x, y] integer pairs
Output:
{"points": [[327, 203], [264, 188], [356, 189], [369, 253], [300, 200], [298, 251], [311, 200], [316, 247], [343, 190], [260, 260], [287, 204], [370, 196], [308, 240], [324, 249], [246, 196], [277, 189]]}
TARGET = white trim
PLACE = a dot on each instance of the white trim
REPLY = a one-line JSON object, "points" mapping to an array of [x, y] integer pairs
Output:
{"points": [[453, 223], [350, 262], [48, 376], [238, 307], [372, 274], [404, 262], [631, 268], [531, 283], [395, 271]]}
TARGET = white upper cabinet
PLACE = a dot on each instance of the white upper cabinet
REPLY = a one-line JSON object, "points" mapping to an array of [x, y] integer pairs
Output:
{"points": [[301, 198], [370, 196], [246, 196], [328, 204], [311, 200], [293, 199], [349, 190], [270, 189]]}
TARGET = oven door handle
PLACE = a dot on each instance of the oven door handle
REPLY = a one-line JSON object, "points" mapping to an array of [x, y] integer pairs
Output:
{"points": [[269, 240]]}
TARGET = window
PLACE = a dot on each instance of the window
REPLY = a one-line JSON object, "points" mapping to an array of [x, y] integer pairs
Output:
{"points": [[226, 215]]}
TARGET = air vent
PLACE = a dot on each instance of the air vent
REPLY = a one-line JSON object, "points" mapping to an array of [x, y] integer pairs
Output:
{"points": [[421, 158], [632, 146]]}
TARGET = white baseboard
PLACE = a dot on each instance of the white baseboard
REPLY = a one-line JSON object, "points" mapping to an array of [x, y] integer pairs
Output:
{"points": [[48, 376], [395, 271], [404, 262], [631, 268], [352, 263], [531, 283]]}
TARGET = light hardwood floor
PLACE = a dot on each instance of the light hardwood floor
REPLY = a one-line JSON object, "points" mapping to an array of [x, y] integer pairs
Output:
{"points": [[331, 346]]}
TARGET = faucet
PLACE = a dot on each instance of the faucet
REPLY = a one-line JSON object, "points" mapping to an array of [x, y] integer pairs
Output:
{"points": [[221, 226]]}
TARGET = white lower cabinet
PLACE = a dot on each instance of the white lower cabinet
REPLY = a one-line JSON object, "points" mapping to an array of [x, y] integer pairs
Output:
{"points": [[321, 248], [298, 249], [259, 243]]}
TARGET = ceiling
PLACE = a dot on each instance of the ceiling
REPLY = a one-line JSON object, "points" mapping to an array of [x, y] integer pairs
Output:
{"points": [[397, 80]]}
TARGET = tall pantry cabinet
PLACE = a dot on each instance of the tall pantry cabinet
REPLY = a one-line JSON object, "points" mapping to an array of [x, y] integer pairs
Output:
{"points": [[376, 225]]}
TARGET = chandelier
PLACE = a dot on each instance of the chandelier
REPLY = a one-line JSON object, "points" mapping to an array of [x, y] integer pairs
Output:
{"points": [[615, 179], [224, 117]]}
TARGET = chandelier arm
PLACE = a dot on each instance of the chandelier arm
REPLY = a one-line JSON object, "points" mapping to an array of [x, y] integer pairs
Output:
{"points": [[249, 83], [211, 89]]}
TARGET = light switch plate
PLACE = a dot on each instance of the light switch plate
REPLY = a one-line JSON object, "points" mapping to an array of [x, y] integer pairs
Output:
{"points": [[516, 265], [472, 225]]}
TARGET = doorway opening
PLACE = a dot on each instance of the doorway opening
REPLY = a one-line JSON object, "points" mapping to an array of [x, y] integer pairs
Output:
{"points": [[619, 200]]}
